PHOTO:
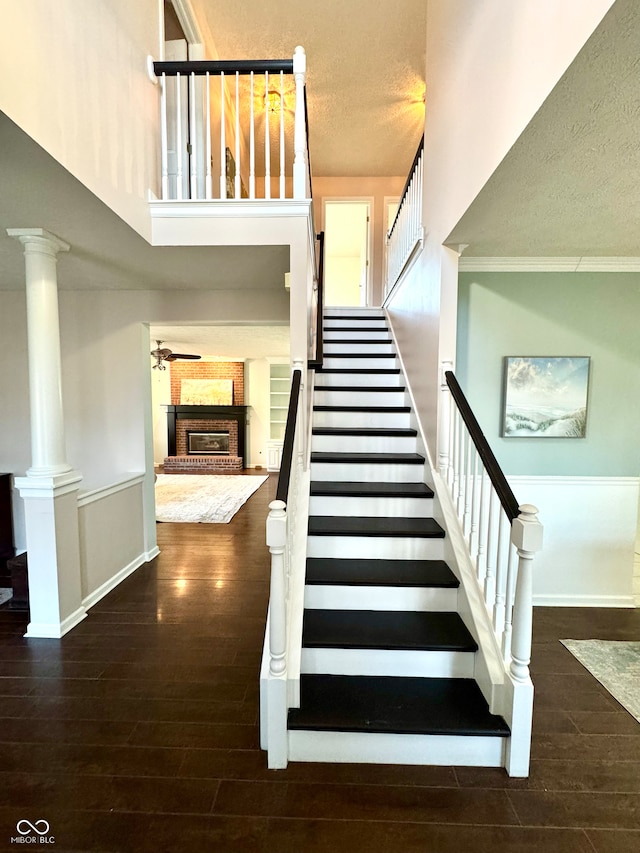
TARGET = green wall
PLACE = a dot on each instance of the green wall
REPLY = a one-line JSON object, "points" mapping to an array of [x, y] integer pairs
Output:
{"points": [[556, 314]]}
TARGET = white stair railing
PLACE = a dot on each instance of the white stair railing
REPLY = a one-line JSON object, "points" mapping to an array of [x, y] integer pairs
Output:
{"points": [[502, 537], [406, 232], [244, 136]]}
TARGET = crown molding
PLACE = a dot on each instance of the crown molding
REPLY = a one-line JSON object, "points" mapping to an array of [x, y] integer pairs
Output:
{"points": [[550, 264]]}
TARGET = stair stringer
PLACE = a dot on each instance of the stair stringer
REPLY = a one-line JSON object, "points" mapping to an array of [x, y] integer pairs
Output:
{"points": [[490, 672]]}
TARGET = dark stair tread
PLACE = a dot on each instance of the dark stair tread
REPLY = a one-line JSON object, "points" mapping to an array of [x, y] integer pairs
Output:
{"points": [[344, 572], [390, 409], [382, 371], [428, 706], [355, 328], [340, 525], [370, 490], [374, 388], [391, 432], [386, 629], [328, 340], [359, 355], [329, 317], [370, 458]]}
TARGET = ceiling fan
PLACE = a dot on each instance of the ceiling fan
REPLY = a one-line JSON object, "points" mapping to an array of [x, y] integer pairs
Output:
{"points": [[163, 354]]}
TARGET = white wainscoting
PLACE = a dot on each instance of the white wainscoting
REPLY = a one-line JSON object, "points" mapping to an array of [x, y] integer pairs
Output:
{"points": [[589, 534], [111, 536]]}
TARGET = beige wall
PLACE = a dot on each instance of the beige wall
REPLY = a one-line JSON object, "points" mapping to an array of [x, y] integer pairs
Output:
{"points": [[77, 84], [355, 188], [489, 68]]}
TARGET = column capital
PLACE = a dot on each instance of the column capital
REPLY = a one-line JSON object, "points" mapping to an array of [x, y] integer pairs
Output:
{"points": [[39, 240]]}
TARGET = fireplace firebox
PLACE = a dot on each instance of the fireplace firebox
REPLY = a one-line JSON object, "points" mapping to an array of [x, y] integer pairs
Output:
{"points": [[206, 443]]}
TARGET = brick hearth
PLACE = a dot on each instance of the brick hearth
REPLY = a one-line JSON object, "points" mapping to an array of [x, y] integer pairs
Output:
{"points": [[203, 465]]}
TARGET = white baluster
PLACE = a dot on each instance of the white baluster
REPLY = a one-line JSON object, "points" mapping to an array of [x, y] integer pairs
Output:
{"points": [[468, 490], [223, 142], [483, 532], [512, 574], [237, 176], [501, 574], [462, 473], [456, 456], [489, 580], [277, 682], [473, 530], [179, 137], [267, 139], [208, 182], [252, 144], [300, 173], [281, 135], [526, 535], [163, 137], [444, 433], [193, 153]]}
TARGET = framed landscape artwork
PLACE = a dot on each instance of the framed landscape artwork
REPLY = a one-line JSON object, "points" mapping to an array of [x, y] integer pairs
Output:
{"points": [[545, 396]]}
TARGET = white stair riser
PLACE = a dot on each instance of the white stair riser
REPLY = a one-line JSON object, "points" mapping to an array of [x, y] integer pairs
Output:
{"points": [[370, 420], [349, 322], [388, 380], [371, 507], [399, 598], [335, 397], [363, 444], [387, 748], [365, 336], [364, 348], [400, 663], [365, 472], [360, 363], [376, 547]]}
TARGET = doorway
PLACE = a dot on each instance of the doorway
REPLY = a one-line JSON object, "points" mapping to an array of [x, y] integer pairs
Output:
{"points": [[347, 229]]}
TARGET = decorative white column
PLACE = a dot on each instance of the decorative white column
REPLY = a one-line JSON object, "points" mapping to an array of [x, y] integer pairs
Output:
{"points": [[50, 487], [276, 704]]}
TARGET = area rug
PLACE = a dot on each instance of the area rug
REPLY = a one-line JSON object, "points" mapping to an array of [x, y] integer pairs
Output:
{"points": [[213, 498], [5, 594], [615, 664]]}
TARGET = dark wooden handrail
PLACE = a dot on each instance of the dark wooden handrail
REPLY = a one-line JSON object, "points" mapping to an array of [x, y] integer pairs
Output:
{"points": [[316, 363], [225, 66], [406, 186], [306, 130], [493, 469], [282, 492]]}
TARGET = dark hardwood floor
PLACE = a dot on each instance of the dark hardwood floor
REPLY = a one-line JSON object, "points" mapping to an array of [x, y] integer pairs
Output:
{"points": [[138, 731]]}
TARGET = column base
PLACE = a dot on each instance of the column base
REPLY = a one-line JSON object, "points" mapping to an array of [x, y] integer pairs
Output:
{"points": [[56, 630]]}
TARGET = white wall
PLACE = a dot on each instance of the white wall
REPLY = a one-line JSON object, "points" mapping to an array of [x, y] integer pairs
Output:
{"points": [[256, 378], [73, 76], [490, 66]]}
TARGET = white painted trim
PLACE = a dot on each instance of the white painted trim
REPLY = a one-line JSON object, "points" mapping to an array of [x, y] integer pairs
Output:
{"points": [[54, 631], [549, 264], [152, 554], [48, 487], [99, 593], [387, 748], [583, 601], [396, 663], [188, 21], [571, 480], [113, 488], [233, 208]]}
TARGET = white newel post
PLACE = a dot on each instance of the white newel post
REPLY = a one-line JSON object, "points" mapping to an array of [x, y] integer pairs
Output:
{"points": [[300, 132], [444, 422], [50, 487], [526, 535], [277, 682]]}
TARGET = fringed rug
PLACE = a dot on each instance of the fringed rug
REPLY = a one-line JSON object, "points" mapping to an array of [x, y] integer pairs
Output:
{"points": [[615, 664], [5, 595], [213, 498]]}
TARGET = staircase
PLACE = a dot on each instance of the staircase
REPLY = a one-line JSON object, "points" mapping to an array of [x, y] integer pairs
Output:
{"points": [[387, 666]]}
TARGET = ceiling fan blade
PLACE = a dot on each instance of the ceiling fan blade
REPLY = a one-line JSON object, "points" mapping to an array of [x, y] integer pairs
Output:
{"points": [[175, 355]]}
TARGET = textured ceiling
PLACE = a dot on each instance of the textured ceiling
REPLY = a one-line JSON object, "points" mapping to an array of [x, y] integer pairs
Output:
{"points": [[570, 186], [225, 342], [365, 72]]}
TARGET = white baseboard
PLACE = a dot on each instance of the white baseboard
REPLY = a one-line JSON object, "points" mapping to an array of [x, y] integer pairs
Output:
{"points": [[152, 554], [56, 630], [105, 588], [583, 601]]}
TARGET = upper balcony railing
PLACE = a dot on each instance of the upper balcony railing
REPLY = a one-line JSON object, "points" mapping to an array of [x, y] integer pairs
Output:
{"points": [[406, 232], [234, 129]]}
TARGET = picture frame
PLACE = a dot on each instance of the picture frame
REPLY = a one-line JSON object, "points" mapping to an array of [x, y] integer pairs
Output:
{"points": [[545, 396]]}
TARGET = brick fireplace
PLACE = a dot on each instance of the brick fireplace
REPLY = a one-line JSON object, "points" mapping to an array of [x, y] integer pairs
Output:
{"points": [[184, 419]]}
